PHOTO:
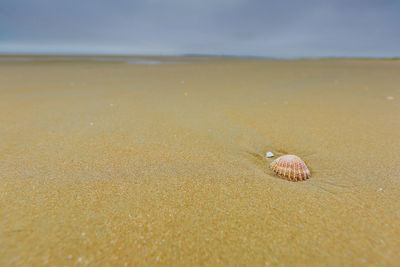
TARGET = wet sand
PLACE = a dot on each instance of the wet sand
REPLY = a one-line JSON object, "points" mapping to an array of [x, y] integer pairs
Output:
{"points": [[161, 161]]}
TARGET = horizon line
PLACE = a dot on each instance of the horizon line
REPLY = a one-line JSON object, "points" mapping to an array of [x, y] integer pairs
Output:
{"points": [[2, 54]]}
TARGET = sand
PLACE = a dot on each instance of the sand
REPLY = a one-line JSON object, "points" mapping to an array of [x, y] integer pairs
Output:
{"points": [[161, 161]]}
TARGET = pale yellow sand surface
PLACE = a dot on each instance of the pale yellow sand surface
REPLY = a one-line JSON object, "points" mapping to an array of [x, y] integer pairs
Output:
{"points": [[110, 162]]}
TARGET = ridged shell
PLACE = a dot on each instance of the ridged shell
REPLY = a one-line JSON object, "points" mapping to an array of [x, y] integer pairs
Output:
{"points": [[291, 167]]}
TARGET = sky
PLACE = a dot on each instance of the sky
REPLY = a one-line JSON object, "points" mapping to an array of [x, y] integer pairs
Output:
{"points": [[264, 28]]}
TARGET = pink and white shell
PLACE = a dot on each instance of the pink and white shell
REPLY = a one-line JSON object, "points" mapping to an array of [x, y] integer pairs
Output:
{"points": [[291, 167]]}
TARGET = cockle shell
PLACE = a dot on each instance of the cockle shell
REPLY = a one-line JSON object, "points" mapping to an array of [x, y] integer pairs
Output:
{"points": [[291, 167]]}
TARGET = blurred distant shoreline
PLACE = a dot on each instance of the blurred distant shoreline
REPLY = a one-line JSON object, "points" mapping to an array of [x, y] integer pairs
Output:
{"points": [[32, 56]]}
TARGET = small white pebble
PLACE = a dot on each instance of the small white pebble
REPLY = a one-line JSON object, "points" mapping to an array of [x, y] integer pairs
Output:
{"points": [[83, 234], [80, 259], [390, 97], [91, 123], [269, 154], [380, 189]]}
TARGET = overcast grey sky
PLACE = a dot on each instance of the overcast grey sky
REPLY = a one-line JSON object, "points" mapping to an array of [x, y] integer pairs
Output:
{"points": [[303, 28]]}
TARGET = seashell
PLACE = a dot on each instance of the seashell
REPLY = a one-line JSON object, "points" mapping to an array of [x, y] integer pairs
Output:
{"points": [[269, 154], [291, 167]]}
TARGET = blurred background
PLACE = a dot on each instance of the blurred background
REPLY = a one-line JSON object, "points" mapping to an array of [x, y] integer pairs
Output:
{"points": [[278, 29]]}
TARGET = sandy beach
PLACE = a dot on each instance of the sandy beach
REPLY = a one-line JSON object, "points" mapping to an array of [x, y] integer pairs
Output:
{"points": [[160, 161]]}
